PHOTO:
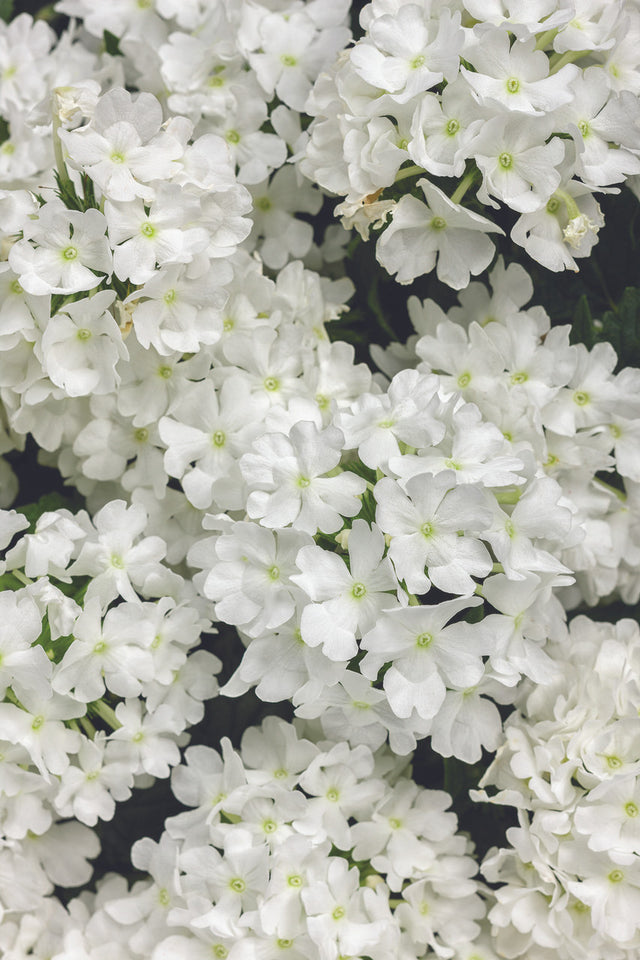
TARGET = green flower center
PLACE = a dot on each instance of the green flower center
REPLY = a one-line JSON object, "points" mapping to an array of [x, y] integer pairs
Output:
{"points": [[37, 722], [613, 762], [512, 85], [237, 885], [70, 253], [338, 913], [581, 398], [100, 647], [303, 482], [506, 161], [165, 372], [84, 334], [584, 128], [631, 809], [219, 438], [232, 136], [163, 897], [170, 297], [287, 60], [332, 795], [438, 223], [117, 157], [426, 530], [269, 826], [271, 383], [464, 380], [452, 127], [141, 435], [417, 62], [521, 377], [358, 590], [424, 640], [552, 205], [295, 880], [147, 229], [274, 572], [616, 876]]}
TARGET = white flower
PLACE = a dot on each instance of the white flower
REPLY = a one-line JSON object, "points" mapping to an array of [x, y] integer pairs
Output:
{"points": [[81, 346], [442, 231], [515, 76], [410, 51], [122, 148], [347, 600], [425, 655], [162, 233], [287, 475], [70, 251], [424, 525]]}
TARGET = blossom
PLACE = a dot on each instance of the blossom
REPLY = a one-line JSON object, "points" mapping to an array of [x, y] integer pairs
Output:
{"points": [[439, 234], [347, 601], [287, 475]]}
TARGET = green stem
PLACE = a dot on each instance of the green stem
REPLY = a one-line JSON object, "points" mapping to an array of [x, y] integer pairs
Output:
{"points": [[573, 210], [412, 171], [558, 61], [546, 38], [19, 575], [88, 727], [463, 186], [106, 713]]}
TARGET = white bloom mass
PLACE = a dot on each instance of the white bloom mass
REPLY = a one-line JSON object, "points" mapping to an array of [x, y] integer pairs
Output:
{"points": [[398, 554]]}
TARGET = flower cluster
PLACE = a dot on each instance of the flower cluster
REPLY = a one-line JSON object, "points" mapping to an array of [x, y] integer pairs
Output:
{"points": [[535, 104], [559, 402], [397, 550], [292, 848], [99, 679], [478, 479], [570, 881]]}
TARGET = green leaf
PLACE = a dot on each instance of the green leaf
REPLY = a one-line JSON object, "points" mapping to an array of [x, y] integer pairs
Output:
{"points": [[47, 503], [111, 44], [582, 326], [622, 328], [6, 10]]}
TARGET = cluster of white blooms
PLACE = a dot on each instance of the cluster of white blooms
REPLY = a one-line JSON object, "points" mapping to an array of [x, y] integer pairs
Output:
{"points": [[99, 679], [397, 550], [242, 71], [560, 403], [478, 479], [570, 882], [293, 848], [533, 104]]}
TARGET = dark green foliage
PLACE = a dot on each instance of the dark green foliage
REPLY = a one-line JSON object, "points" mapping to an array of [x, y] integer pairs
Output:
{"points": [[6, 10], [111, 44]]}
